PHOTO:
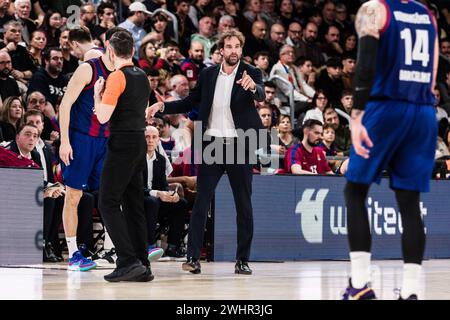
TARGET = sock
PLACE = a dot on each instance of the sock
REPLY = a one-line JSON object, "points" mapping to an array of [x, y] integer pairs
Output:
{"points": [[107, 243], [360, 268], [72, 245], [411, 278]]}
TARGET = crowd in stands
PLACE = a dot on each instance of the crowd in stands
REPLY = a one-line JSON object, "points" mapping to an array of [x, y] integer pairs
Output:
{"points": [[304, 48]]}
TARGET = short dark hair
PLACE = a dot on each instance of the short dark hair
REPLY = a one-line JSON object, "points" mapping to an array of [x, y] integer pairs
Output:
{"points": [[349, 55], [328, 126], [151, 72], [261, 54], [310, 123], [270, 84], [122, 44], [80, 34], [302, 60], [346, 92], [48, 51], [170, 43], [109, 33], [33, 112], [24, 126], [104, 5], [231, 33]]}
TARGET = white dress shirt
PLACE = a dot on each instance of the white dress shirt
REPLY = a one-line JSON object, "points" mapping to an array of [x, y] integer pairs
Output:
{"points": [[150, 173], [40, 149], [221, 122]]}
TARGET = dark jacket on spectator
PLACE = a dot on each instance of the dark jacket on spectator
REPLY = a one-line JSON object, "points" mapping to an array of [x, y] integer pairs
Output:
{"points": [[53, 89], [8, 88], [159, 180], [20, 58]]}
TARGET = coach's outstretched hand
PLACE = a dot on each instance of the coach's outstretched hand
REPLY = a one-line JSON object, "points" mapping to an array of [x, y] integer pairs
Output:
{"points": [[153, 109], [246, 82]]}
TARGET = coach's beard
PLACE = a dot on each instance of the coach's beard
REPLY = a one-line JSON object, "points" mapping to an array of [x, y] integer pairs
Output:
{"points": [[232, 61]]}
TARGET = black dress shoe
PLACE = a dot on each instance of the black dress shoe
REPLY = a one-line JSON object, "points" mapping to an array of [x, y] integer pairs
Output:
{"points": [[132, 272], [49, 253], [242, 267], [192, 265], [146, 277]]}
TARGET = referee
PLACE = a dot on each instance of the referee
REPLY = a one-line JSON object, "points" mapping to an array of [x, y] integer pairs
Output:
{"points": [[122, 102]]}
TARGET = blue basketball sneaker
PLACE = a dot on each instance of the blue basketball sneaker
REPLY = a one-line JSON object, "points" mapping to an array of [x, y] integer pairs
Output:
{"points": [[79, 263], [365, 293]]}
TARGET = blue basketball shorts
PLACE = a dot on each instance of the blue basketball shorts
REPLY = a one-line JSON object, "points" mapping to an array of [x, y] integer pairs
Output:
{"points": [[404, 137]]}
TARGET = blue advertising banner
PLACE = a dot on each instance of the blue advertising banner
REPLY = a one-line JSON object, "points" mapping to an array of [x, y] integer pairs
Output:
{"points": [[304, 218]]}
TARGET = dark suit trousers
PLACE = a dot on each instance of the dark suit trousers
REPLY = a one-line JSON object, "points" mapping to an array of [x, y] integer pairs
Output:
{"points": [[157, 210], [240, 177], [121, 197]]}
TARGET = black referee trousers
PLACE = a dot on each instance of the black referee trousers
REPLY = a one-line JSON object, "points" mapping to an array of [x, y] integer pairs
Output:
{"points": [[121, 199]]}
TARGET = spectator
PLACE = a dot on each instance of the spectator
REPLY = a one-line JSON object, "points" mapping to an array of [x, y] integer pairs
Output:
{"points": [[180, 87], [225, 22], [253, 10], [153, 5], [331, 47], [197, 11], [37, 101], [286, 13], [346, 104], [153, 79], [294, 37], [343, 139], [270, 90], [159, 23], [167, 141], [22, 15], [330, 80], [37, 45], [342, 20], [193, 65], [319, 102], [261, 61], [305, 157], [308, 47], [215, 57], [8, 86], [88, 16], [265, 113], [328, 17], [70, 63], [51, 26], [105, 13], [60, 6], [160, 204], [4, 16], [276, 40], [168, 59], [80, 41], [11, 117], [348, 69], [286, 69], [327, 144], [269, 12], [348, 43], [49, 81], [186, 27], [147, 54], [138, 13], [205, 33], [285, 135], [255, 42], [305, 67], [22, 64]]}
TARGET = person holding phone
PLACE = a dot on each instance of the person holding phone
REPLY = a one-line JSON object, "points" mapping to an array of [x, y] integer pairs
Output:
{"points": [[162, 205]]}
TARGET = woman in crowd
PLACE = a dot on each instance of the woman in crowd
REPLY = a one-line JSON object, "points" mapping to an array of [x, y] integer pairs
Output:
{"points": [[37, 46], [147, 54], [319, 102], [11, 117], [51, 26]]}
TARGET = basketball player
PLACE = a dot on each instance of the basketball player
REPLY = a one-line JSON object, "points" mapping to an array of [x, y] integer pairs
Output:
{"points": [[80, 42], [394, 128], [83, 147]]}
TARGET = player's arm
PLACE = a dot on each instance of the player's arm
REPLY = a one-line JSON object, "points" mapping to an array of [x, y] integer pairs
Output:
{"points": [[81, 77], [106, 96], [297, 169]]}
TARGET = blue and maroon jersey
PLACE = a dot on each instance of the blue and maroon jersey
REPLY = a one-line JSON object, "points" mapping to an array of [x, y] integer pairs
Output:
{"points": [[405, 58], [82, 117], [314, 161]]}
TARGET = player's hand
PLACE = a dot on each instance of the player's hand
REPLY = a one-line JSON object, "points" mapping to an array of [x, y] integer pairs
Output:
{"points": [[99, 87], [246, 82], [153, 109], [65, 153], [360, 138]]}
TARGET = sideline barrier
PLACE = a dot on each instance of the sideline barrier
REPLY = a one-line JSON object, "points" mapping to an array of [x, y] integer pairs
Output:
{"points": [[304, 218], [21, 216]]}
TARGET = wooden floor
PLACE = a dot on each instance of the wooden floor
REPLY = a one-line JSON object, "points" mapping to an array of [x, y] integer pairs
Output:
{"points": [[316, 280]]}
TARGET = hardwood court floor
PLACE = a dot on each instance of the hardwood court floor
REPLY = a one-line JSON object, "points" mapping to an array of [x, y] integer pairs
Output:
{"points": [[313, 280]]}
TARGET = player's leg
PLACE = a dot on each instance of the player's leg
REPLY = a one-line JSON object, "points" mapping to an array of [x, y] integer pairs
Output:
{"points": [[411, 168]]}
